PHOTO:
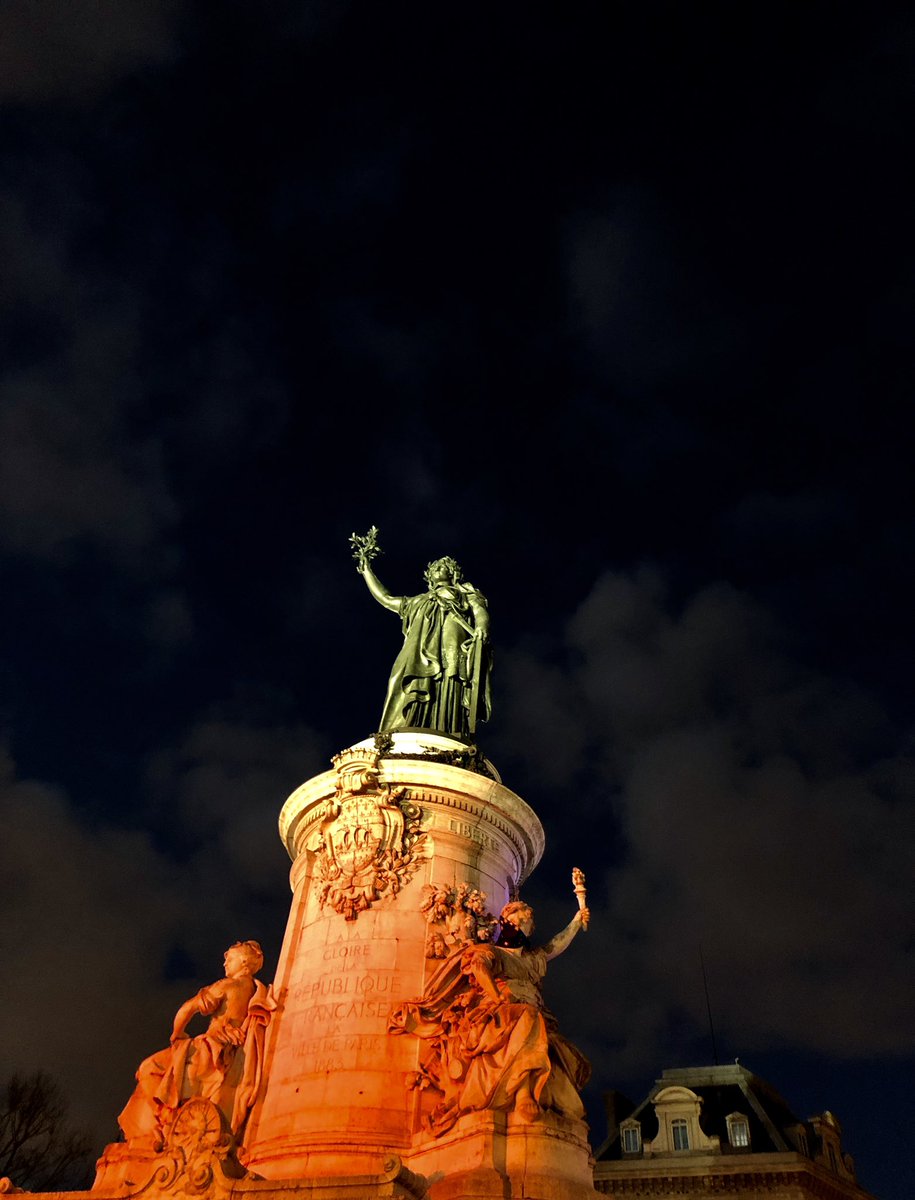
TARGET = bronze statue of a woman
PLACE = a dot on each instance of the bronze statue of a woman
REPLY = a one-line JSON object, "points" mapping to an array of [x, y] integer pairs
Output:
{"points": [[440, 679]]}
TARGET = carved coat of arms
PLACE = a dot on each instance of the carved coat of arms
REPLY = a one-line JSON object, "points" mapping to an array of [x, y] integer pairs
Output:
{"points": [[370, 837]]}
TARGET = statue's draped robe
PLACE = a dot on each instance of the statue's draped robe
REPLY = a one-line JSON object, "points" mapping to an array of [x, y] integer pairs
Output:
{"points": [[432, 678], [209, 1065], [481, 1052]]}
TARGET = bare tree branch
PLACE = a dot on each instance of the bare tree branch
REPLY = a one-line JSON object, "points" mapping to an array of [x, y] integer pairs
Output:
{"points": [[39, 1149]]}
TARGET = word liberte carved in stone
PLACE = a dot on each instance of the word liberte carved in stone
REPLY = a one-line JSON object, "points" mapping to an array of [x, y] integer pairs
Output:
{"points": [[440, 678], [370, 837]]}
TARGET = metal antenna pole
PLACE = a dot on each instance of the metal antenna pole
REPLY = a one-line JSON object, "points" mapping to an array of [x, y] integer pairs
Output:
{"points": [[708, 1007]]}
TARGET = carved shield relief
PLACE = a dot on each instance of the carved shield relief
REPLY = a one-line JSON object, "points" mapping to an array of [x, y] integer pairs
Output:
{"points": [[363, 829], [369, 840]]}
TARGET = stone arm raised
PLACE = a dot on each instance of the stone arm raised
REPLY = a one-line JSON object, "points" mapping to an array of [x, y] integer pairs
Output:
{"points": [[377, 588], [560, 942]]}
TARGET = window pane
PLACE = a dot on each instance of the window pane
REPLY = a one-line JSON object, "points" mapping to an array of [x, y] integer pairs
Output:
{"points": [[680, 1131], [740, 1133], [631, 1141]]}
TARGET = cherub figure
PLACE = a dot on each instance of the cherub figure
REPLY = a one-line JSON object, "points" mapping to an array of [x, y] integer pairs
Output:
{"points": [[436, 946]]}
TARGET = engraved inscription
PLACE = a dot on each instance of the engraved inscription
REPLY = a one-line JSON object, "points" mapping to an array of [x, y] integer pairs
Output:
{"points": [[474, 834], [341, 1011], [339, 985]]}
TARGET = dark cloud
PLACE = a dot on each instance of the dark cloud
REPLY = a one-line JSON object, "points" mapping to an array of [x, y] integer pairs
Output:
{"points": [[72, 467], [84, 939], [556, 298], [223, 787], [750, 806], [89, 938], [60, 50], [170, 622], [635, 303]]}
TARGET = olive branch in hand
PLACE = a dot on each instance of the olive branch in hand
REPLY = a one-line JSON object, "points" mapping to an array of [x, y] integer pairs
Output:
{"points": [[365, 547]]}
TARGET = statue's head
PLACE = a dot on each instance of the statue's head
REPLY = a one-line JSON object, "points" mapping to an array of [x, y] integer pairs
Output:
{"points": [[517, 920], [442, 570], [245, 957]]}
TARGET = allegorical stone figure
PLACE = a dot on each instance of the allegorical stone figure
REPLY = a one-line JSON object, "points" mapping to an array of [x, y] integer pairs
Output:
{"points": [[222, 1065], [440, 679], [491, 1043]]}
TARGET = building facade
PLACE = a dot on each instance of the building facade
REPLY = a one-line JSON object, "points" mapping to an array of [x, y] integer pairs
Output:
{"points": [[721, 1131]]}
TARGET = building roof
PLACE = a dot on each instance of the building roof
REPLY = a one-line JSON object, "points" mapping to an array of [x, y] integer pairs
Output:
{"points": [[724, 1090]]}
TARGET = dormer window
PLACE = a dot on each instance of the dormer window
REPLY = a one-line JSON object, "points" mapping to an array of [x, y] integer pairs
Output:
{"points": [[679, 1129], [738, 1131], [631, 1137], [679, 1134], [828, 1132]]}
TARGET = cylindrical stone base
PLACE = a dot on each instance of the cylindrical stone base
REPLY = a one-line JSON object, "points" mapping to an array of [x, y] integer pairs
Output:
{"points": [[334, 1097]]}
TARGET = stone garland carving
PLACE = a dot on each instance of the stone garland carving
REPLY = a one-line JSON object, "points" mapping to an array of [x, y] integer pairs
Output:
{"points": [[370, 838], [489, 1042], [456, 916], [224, 1065]]}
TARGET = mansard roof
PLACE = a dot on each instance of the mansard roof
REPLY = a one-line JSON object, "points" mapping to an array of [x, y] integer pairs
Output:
{"points": [[724, 1091]]}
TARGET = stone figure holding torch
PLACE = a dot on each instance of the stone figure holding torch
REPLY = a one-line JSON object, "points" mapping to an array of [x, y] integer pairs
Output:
{"points": [[578, 887]]}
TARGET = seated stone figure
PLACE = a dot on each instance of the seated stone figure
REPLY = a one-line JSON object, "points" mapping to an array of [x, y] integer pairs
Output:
{"points": [[222, 1065], [492, 1044]]}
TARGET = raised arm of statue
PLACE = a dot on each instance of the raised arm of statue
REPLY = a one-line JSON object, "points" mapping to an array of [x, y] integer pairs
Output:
{"points": [[561, 941], [377, 588]]}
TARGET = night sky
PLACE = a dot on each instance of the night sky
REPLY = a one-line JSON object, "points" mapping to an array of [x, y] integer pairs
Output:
{"points": [[613, 304]]}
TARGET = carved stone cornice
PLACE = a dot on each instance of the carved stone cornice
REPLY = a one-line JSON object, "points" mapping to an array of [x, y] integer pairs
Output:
{"points": [[792, 1179], [453, 802]]}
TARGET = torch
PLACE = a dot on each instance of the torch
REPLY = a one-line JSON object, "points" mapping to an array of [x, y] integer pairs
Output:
{"points": [[578, 887]]}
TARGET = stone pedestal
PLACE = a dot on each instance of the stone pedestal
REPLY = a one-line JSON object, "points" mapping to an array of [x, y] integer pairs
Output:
{"points": [[491, 1155], [363, 847], [391, 851]]}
